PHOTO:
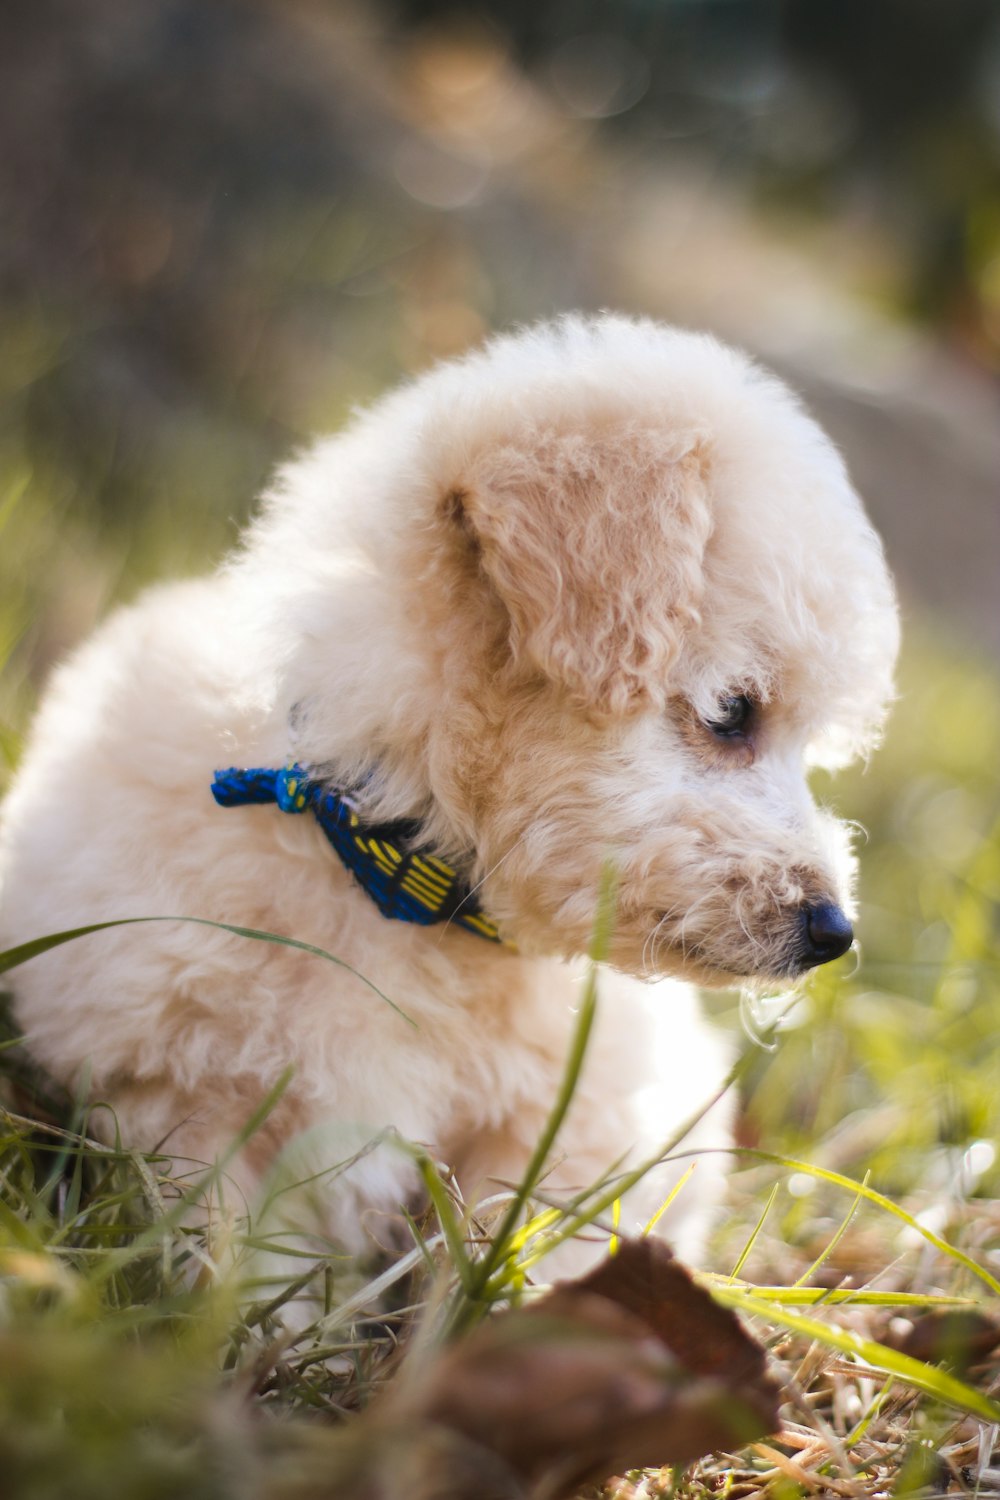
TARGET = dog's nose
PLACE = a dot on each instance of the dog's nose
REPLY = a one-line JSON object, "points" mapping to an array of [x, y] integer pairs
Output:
{"points": [[828, 933]]}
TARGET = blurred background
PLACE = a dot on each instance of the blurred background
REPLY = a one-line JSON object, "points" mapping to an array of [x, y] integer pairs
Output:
{"points": [[226, 222]]}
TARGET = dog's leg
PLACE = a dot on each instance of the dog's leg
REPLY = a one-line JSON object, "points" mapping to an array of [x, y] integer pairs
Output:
{"points": [[652, 1064], [296, 1187]]}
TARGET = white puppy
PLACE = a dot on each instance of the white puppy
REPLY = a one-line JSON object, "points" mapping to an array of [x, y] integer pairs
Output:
{"points": [[599, 591]]}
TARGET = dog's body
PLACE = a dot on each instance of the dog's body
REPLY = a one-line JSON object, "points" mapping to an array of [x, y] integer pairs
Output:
{"points": [[508, 604]]}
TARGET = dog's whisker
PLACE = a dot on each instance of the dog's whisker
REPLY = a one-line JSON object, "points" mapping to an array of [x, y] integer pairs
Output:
{"points": [[472, 891]]}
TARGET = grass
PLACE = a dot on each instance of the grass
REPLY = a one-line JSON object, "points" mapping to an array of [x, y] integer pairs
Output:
{"points": [[140, 1358]]}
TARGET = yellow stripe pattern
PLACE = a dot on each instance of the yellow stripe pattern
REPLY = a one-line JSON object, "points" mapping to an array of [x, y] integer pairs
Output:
{"points": [[427, 879]]}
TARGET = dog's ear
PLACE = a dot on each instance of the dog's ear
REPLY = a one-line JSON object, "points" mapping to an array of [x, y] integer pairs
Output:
{"points": [[594, 544]]}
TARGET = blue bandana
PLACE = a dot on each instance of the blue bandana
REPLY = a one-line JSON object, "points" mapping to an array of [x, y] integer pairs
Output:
{"points": [[405, 884]]}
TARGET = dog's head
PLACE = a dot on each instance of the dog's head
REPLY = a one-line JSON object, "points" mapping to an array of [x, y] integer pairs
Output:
{"points": [[641, 598]]}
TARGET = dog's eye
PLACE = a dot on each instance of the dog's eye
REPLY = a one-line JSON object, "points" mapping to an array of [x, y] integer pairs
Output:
{"points": [[732, 718]]}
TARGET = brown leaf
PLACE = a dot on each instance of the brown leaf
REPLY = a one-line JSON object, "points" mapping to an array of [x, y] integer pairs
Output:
{"points": [[633, 1366], [377, 1460], [707, 1339], [958, 1338]]}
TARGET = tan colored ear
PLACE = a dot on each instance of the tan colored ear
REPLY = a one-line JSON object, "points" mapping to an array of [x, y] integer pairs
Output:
{"points": [[594, 543]]}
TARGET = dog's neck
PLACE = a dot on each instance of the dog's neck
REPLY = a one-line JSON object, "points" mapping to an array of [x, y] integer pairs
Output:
{"points": [[406, 881]]}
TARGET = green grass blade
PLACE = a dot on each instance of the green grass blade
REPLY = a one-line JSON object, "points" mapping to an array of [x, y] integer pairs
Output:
{"points": [[842, 1296], [24, 952], [864, 1191], [451, 1225], [500, 1248], [677, 1188], [930, 1379], [152, 1234], [589, 1205], [15, 492], [858, 1431], [835, 1240], [745, 1252], [418, 1240]]}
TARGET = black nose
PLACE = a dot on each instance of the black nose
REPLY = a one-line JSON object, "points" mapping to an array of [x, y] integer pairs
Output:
{"points": [[827, 933]]}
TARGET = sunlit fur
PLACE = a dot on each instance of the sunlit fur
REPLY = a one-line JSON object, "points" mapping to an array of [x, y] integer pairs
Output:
{"points": [[508, 600]]}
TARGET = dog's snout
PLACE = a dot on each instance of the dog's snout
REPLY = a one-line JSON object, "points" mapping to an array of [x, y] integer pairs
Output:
{"points": [[827, 933]]}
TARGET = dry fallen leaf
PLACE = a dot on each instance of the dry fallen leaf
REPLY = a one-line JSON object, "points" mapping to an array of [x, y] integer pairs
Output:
{"points": [[632, 1366], [958, 1338]]}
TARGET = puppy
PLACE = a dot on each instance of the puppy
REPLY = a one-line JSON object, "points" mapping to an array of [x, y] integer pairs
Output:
{"points": [[597, 593]]}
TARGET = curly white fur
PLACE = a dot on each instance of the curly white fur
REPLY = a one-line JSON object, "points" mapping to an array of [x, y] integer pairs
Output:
{"points": [[511, 596]]}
